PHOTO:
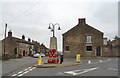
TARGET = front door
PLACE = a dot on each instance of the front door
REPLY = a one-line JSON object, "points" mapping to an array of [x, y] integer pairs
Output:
{"points": [[23, 52], [98, 51]]}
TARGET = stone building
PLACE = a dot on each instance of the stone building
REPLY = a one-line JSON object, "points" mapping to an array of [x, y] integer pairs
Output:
{"points": [[107, 48], [83, 39], [40, 48], [16, 46], [116, 47], [112, 48]]}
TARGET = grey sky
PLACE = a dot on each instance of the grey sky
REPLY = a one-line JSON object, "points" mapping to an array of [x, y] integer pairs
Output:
{"points": [[32, 18]]}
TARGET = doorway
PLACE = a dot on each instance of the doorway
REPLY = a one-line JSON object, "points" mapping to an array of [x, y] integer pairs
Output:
{"points": [[98, 51]]}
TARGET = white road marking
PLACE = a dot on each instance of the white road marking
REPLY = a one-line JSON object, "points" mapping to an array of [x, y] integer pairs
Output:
{"points": [[109, 59], [100, 60], [83, 71], [89, 61], [20, 75], [113, 69], [14, 75], [24, 72], [20, 72]]}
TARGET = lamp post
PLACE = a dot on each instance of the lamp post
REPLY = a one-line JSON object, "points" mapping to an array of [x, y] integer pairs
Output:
{"points": [[53, 40], [53, 54], [5, 37], [53, 28]]}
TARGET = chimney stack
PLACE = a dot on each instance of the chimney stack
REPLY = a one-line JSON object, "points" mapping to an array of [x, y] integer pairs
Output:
{"points": [[82, 21], [10, 33], [29, 40], [23, 37]]}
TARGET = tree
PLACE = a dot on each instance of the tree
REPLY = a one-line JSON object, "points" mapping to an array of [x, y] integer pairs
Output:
{"points": [[116, 37]]}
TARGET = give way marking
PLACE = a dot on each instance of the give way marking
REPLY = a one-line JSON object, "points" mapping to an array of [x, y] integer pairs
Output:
{"points": [[77, 72]]}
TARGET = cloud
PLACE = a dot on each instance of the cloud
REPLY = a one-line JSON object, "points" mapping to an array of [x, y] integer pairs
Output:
{"points": [[32, 18]]}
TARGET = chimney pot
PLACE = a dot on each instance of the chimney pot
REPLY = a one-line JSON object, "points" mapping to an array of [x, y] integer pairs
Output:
{"points": [[82, 21], [10, 33], [23, 37], [29, 39]]}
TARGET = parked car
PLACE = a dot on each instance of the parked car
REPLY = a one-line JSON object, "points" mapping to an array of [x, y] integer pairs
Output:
{"points": [[36, 55], [41, 54]]}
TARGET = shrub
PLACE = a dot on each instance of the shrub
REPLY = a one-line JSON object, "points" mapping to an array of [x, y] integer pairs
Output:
{"points": [[5, 57]]}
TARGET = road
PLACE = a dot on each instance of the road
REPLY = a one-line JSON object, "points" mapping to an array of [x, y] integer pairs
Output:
{"points": [[91, 67]]}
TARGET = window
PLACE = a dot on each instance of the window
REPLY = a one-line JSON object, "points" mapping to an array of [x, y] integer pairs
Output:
{"points": [[67, 48], [89, 39], [89, 48]]}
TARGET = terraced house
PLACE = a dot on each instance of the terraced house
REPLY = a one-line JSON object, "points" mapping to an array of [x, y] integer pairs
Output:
{"points": [[15, 47], [83, 39]]}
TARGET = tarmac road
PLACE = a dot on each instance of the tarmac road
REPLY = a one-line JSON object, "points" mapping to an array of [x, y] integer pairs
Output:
{"points": [[91, 67]]}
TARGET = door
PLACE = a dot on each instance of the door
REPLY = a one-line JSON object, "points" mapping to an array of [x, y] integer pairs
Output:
{"points": [[98, 51], [23, 52]]}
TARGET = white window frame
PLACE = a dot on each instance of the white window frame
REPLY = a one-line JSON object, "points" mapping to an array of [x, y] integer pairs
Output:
{"points": [[89, 39]]}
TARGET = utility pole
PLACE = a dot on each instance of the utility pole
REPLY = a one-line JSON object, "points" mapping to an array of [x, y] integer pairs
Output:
{"points": [[5, 36]]}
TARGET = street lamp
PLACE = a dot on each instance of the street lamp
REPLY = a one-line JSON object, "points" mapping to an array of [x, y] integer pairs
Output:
{"points": [[5, 37], [53, 28]]}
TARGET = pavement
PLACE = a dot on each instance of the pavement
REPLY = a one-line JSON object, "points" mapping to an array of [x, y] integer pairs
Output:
{"points": [[64, 64]]}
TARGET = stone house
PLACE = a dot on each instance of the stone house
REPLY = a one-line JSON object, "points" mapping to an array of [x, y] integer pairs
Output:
{"points": [[83, 39], [17, 46], [12, 45]]}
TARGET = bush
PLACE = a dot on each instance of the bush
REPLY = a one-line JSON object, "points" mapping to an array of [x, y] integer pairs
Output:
{"points": [[5, 57]]}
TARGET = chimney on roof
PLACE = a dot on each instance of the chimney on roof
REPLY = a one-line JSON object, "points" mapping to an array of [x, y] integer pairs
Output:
{"points": [[29, 40], [23, 37], [82, 21], [10, 33]]}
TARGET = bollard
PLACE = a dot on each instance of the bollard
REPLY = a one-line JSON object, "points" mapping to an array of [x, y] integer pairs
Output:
{"points": [[78, 58], [39, 60]]}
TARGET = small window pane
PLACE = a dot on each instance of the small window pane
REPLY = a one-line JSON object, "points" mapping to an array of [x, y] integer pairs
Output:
{"points": [[88, 48], [66, 48]]}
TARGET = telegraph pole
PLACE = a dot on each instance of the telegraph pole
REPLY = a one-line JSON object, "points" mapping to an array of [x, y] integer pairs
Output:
{"points": [[5, 36]]}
